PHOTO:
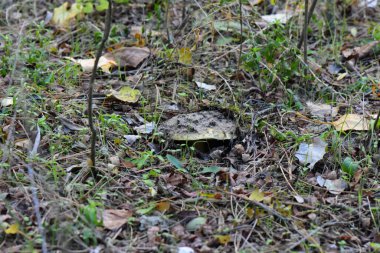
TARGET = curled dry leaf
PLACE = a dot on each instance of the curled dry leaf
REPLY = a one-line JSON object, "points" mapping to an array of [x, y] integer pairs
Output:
{"points": [[359, 52], [311, 153], [128, 57], [336, 186], [114, 219]]}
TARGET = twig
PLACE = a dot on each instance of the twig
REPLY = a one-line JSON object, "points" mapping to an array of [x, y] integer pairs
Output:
{"points": [[167, 21], [305, 35], [265, 207], [36, 202], [309, 15], [374, 131], [91, 89], [241, 35], [328, 224]]}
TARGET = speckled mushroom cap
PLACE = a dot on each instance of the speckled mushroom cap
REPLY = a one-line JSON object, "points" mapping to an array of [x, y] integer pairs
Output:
{"points": [[203, 125]]}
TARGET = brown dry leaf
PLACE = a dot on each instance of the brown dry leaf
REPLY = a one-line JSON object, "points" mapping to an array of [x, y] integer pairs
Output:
{"points": [[163, 206], [129, 56], [114, 219], [352, 122], [359, 52]]}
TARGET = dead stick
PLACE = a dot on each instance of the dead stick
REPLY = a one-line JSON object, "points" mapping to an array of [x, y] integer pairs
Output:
{"points": [[91, 89]]}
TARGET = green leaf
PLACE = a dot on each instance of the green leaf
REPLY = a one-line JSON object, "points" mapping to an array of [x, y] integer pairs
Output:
{"points": [[257, 195], [349, 166], [375, 246], [196, 223], [175, 162], [88, 8], [211, 169], [147, 210], [102, 5], [126, 94]]}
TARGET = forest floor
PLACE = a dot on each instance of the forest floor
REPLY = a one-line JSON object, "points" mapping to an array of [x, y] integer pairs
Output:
{"points": [[213, 133]]}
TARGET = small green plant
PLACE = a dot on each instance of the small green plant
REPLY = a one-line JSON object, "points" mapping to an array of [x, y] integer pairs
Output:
{"points": [[272, 57], [146, 158], [100, 5], [90, 221]]}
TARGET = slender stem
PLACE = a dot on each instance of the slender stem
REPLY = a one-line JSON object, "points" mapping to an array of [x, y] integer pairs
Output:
{"points": [[305, 34], [309, 15], [91, 89], [241, 34]]}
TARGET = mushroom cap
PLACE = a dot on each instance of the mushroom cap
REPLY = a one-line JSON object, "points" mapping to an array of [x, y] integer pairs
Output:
{"points": [[203, 125]]}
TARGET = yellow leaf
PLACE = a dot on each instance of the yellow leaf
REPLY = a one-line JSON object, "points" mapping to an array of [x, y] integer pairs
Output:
{"points": [[352, 122], [163, 206], [223, 239], [65, 13], [185, 56], [257, 195], [12, 229], [127, 94], [250, 212], [341, 76]]}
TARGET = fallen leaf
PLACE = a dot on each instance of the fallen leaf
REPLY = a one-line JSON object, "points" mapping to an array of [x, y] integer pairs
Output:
{"points": [[341, 76], [299, 199], [70, 125], [163, 206], [359, 52], [223, 239], [280, 17], [185, 56], [88, 64], [114, 219], [212, 169], [311, 153], [6, 101], [146, 128], [205, 86], [126, 94], [64, 14], [185, 250], [368, 3], [196, 224], [13, 229], [257, 195], [128, 57], [336, 186], [321, 110], [352, 122]]}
